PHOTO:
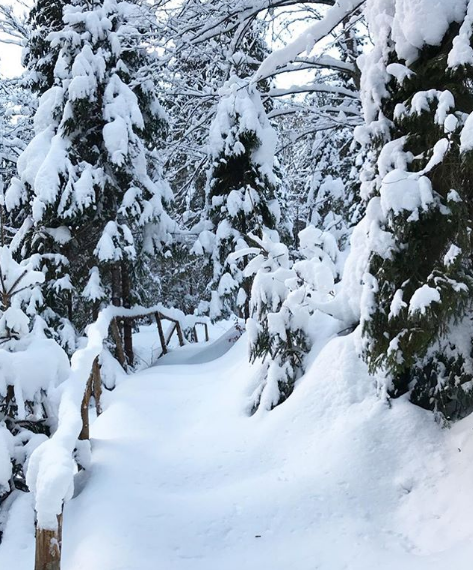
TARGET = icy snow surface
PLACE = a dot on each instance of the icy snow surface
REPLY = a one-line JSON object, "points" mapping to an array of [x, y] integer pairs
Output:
{"points": [[333, 479]]}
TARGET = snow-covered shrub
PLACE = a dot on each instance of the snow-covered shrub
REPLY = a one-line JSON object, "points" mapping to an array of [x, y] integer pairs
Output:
{"points": [[31, 367], [285, 302]]}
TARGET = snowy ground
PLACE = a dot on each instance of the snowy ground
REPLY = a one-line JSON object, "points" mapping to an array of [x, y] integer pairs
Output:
{"points": [[183, 479]]}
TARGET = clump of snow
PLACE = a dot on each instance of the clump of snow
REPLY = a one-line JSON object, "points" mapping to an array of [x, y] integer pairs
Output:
{"points": [[453, 252], [466, 137], [423, 298], [401, 191], [462, 53], [414, 23], [242, 100]]}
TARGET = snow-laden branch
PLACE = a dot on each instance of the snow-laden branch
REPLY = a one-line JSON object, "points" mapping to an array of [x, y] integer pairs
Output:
{"points": [[337, 90], [13, 28], [306, 41], [51, 469], [226, 19], [323, 62]]}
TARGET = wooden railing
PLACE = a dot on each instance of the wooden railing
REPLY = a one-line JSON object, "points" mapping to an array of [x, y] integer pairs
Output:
{"points": [[51, 487]]}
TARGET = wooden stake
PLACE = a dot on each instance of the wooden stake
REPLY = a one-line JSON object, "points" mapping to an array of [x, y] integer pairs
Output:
{"points": [[48, 547], [161, 334], [180, 336], [84, 410], [114, 329], [97, 385]]}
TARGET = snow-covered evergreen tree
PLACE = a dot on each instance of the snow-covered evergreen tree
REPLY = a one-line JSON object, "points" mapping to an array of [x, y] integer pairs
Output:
{"points": [[417, 293], [91, 198], [242, 192]]}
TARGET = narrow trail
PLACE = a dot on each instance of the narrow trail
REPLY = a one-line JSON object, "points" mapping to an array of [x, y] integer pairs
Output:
{"points": [[161, 463]]}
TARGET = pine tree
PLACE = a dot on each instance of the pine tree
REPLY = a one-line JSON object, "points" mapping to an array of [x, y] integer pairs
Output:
{"points": [[85, 181], [242, 192], [417, 308]]}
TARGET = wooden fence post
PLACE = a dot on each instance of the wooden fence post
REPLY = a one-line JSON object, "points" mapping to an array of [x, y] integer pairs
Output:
{"points": [[180, 336], [118, 343], [97, 385], [161, 333], [48, 547], [84, 410]]}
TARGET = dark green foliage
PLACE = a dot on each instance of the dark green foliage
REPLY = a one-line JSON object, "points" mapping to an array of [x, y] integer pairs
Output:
{"points": [[40, 58], [414, 346], [236, 172]]}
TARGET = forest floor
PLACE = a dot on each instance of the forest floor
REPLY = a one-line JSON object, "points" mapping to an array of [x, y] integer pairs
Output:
{"points": [[182, 478]]}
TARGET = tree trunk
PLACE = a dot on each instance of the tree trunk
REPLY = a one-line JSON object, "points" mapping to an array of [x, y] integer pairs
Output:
{"points": [[246, 286], [127, 323], [116, 285], [116, 325]]}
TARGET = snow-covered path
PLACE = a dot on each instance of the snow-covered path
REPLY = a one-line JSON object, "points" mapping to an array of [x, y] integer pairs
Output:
{"points": [[183, 479]]}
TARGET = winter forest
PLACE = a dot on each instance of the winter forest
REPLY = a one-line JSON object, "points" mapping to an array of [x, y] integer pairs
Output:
{"points": [[236, 284]]}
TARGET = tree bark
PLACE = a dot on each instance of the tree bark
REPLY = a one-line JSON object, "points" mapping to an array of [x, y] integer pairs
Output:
{"points": [[116, 285], [127, 323]]}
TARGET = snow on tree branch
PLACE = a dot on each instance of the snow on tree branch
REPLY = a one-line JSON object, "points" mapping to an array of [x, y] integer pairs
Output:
{"points": [[305, 42]]}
